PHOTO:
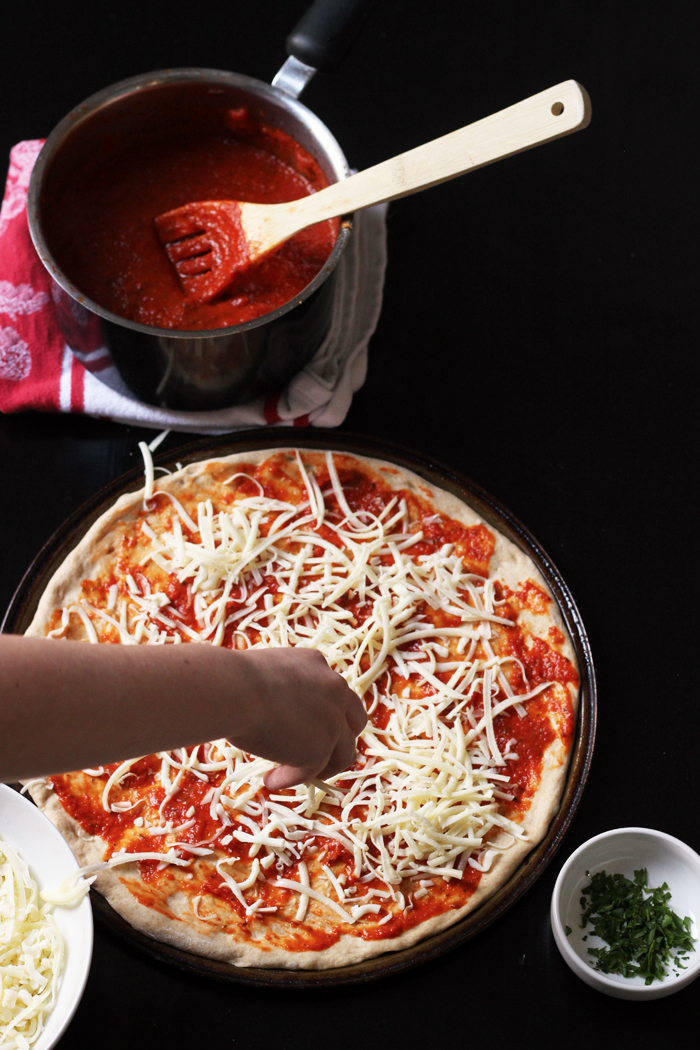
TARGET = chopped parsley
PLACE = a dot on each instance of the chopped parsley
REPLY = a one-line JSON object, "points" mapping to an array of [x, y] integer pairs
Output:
{"points": [[641, 932]]}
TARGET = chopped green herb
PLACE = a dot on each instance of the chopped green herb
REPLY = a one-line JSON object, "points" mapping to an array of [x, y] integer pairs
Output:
{"points": [[642, 933], [567, 930]]}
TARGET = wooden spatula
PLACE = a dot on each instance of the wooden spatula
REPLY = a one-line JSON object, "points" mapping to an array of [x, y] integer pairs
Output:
{"points": [[211, 242]]}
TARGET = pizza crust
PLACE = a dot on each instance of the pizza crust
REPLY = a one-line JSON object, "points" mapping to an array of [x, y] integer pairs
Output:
{"points": [[182, 928]]}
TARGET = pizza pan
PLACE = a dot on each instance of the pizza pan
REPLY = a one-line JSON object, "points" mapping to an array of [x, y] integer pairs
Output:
{"points": [[25, 601]]}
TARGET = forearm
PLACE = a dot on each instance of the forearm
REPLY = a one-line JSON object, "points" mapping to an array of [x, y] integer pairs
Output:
{"points": [[67, 705]]}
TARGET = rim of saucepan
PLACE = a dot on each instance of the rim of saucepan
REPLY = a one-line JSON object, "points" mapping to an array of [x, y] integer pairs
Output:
{"points": [[142, 82]]}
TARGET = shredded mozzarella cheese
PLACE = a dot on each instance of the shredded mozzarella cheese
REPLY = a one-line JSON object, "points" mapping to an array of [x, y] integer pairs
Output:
{"points": [[32, 950], [424, 798]]}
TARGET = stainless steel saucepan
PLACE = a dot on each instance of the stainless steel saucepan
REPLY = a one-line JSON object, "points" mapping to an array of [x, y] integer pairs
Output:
{"points": [[217, 368]]}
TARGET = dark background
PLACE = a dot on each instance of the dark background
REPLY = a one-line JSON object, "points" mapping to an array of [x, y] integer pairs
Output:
{"points": [[539, 334]]}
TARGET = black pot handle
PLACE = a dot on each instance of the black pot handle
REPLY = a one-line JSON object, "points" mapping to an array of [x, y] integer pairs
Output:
{"points": [[327, 31]]}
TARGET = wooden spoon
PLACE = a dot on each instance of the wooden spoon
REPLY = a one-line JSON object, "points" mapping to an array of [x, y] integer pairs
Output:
{"points": [[212, 242]]}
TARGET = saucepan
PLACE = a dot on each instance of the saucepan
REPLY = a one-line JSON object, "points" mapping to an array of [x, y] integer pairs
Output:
{"points": [[215, 368]]}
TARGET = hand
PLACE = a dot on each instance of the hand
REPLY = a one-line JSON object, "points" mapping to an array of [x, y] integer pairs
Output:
{"points": [[310, 716]]}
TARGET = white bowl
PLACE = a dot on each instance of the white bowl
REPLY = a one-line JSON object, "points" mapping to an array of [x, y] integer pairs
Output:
{"points": [[624, 851], [50, 861]]}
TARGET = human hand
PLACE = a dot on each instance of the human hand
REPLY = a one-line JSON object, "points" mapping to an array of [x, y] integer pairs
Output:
{"points": [[306, 717]]}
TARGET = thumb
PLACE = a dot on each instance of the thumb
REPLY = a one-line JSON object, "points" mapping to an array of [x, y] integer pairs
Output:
{"points": [[287, 776]]}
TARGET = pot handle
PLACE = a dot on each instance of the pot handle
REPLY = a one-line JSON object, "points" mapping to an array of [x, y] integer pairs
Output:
{"points": [[320, 40], [324, 35]]}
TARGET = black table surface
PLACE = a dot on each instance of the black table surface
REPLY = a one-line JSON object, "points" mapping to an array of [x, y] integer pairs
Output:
{"points": [[539, 334]]}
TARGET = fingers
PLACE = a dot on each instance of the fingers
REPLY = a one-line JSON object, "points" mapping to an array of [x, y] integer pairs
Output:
{"points": [[342, 756], [286, 777], [356, 715]]}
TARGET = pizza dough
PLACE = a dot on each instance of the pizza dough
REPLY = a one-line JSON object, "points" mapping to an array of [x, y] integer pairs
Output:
{"points": [[444, 627]]}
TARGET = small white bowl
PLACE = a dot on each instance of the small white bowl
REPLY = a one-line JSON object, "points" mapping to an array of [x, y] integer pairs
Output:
{"points": [[50, 861], [624, 851]]}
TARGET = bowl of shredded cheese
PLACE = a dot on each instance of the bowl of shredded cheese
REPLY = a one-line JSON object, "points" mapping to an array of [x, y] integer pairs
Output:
{"points": [[46, 928], [625, 913]]}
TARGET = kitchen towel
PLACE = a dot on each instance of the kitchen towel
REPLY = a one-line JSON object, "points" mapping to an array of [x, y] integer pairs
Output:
{"points": [[39, 370]]}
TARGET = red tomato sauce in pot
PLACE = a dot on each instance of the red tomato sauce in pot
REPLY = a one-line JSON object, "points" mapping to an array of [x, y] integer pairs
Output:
{"points": [[102, 232]]}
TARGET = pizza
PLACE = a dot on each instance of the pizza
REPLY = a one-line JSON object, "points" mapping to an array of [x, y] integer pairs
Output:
{"points": [[445, 629]]}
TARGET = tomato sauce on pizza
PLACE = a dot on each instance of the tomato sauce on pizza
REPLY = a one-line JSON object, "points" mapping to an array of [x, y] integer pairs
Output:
{"points": [[443, 628]]}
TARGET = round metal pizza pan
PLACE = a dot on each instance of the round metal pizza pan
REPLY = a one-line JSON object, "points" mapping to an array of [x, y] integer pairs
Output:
{"points": [[23, 606]]}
